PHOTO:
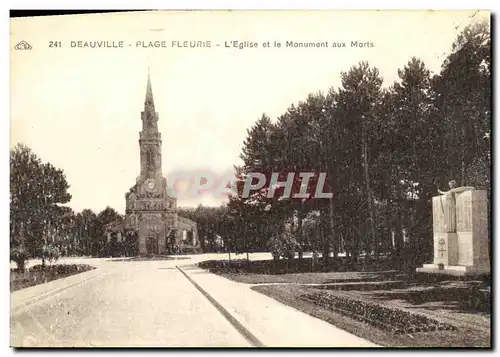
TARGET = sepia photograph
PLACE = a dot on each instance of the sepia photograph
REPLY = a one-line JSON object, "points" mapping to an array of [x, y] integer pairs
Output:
{"points": [[251, 179]]}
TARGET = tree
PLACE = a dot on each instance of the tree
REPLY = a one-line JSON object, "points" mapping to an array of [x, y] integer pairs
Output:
{"points": [[283, 246], [464, 99], [105, 217], [360, 92], [248, 212], [36, 190], [384, 151], [87, 230], [409, 162]]}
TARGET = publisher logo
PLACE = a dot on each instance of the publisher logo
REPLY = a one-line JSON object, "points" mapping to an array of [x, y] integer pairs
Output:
{"points": [[23, 45]]}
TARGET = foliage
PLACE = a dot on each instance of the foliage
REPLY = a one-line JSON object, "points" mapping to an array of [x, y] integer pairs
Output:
{"points": [[100, 247], [40, 274], [37, 190], [283, 246], [385, 151], [286, 266], [51, 253], [41, 226], [210, 223]]}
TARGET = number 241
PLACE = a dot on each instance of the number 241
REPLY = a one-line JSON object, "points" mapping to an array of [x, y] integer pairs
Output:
{"points": [[55, 44]]}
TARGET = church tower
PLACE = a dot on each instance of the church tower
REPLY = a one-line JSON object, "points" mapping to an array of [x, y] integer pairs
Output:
{"points": [[150, 213]]}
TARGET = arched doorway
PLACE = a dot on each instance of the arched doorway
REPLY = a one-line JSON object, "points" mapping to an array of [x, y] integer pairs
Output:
{"points": [[151, 236], [152, 244]]}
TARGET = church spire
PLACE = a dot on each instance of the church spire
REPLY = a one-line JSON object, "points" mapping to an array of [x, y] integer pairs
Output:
{"points": [[149, 104]]}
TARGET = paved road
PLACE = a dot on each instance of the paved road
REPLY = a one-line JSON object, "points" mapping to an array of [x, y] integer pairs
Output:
{"points": [[151, 303], [147, 303]]}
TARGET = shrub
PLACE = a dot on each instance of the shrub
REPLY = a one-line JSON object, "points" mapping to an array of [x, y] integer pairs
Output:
{"points": [[51, 253], [64, 269], [40, 274], [283, 245]]}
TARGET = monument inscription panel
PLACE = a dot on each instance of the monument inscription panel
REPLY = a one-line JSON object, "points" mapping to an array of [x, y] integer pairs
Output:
{"points": [[464, 213]]}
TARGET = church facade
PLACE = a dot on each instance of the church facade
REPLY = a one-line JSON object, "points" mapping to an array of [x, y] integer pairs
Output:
{"points": [[151, 213]]}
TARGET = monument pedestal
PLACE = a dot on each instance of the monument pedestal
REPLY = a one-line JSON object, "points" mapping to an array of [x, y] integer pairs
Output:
{"points": [[461, 237], [457, 270], [446, 248]]}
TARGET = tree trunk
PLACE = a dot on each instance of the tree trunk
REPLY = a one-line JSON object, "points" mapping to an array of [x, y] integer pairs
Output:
{"points": [[355, 246], [293, 233], [398, 238], [331, 235], [343, 248], [462, 168], [300, 233], [314, 247], [387, 230], [21, 234], [21, 265], [314, 260], [324, 239], [369, 197]]}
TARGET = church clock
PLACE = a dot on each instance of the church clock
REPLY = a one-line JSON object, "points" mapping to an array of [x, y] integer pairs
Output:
{"points": [[150, 185]]}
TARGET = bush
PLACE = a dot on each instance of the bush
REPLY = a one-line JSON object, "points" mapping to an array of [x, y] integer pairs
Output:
{"points": [[256, 266], [40, 274], [304, 265], [283, 246], [51, 253], [395, 320], [61, 269], [64, 269]]}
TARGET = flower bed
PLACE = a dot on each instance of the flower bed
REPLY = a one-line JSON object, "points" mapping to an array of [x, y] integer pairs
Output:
{"points": [[395, 320], [61, 269]]}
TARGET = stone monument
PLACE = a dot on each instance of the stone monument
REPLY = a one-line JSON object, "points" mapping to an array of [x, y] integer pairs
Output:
{"points": [[460, 229]]}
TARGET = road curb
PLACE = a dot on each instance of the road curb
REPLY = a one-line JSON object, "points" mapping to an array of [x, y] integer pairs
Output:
{"points": [[245, 332]]}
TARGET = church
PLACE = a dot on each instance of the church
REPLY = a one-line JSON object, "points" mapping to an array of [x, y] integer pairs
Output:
{"points": [[151, 218]]}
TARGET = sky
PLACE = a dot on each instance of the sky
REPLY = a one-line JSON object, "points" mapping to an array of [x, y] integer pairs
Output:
{"points": [[80, 108]]}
